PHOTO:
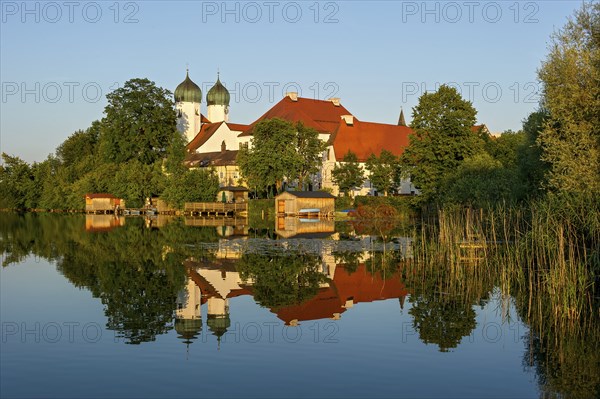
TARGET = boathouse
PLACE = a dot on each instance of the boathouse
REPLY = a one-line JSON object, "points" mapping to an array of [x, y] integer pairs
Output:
{"points": [[103, 203], [305, 203], [232, 194]]}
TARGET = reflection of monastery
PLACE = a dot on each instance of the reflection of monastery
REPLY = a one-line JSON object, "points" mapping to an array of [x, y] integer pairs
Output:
{"points": [[217, 281]]}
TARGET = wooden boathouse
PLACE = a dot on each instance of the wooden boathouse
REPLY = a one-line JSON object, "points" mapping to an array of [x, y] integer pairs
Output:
{"points": [[102, 203], [305, 204]]}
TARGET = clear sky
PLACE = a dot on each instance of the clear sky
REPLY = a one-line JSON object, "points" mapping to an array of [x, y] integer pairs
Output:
{"points": [[59, 59]]}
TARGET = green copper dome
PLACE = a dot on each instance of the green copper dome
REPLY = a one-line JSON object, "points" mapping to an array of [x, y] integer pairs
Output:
{"points": [[188, 91], [218, 94]]}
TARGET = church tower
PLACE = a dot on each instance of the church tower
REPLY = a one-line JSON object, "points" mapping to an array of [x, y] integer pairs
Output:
{"points": [[217, 100], [187, 105]]}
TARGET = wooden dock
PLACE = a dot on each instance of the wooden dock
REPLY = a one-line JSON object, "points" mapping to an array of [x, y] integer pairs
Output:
{"points": [[215, 208]]}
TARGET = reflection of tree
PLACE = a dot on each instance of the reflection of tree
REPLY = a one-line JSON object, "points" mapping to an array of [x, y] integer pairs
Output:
{"points": [[282, 279], [350, 259], [565, 356], [136, 272], [139, 303], [442, 321], [384, 262]]}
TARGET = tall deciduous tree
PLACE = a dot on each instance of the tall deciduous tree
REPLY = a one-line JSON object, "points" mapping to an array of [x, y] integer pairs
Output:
{"points": [[310, 150], [349, 174], [383, 171], [442, 139], [273, 156], [570, 139], [139, 124]]}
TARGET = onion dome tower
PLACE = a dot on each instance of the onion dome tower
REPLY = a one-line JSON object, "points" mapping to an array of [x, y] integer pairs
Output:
{"points": [[187, 105], [217, 100]]}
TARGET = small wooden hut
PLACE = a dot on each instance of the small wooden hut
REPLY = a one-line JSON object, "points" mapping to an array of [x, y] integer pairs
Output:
{"points": [[103, 203], [305, 203], [232, 194]]}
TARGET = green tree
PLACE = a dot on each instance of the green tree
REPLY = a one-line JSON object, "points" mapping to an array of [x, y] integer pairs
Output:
{"points": [[272, 157], [479, 181], [139, 123], [570, 139], [16, 182], [191, 186], [442, 139], [310, 149], [532, 169], [349, 174], [383, 170]]}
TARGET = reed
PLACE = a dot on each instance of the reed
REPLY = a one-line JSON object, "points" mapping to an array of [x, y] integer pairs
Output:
{"points": [[548, 248]]}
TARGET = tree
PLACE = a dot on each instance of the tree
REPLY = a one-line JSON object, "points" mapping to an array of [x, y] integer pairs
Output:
{"points": [[273, 156], [16, 181], [349, 174], [480, 180], [532, 169], [383, 170], [139, 123], [570, 139], [310, 150], [442, 139], [191, 186]]}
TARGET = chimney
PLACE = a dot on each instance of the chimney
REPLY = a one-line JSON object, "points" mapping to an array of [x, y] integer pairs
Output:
{"points": [[293, 95], [349, 119], [335, 101]]}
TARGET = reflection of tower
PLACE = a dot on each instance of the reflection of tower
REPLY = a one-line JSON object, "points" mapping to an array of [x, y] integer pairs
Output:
{"points": [[188, 315], [218, 317]]}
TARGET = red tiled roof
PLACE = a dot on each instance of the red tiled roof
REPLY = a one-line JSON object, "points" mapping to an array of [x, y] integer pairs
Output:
{"points": [[208, 129], [238, 127], [366, 138], [477, 128], [203, 119], [321, 115]]}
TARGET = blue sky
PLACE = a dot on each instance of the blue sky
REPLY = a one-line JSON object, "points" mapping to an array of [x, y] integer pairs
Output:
{"points": [[59, 59]]}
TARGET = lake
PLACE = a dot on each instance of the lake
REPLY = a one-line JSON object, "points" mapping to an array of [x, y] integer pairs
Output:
{"points": [[98, 306]]}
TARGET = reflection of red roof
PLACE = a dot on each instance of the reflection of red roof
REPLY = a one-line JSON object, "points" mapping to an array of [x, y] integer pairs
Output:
{"points": [[320, 115], [360, 286], [366, 138], [321, 306]]}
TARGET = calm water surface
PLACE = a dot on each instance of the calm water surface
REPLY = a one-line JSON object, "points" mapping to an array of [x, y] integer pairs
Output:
{"points": [[121, 308]]}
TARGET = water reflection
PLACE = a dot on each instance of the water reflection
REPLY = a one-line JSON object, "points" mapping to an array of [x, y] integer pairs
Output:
{"points": [[156, 275]]}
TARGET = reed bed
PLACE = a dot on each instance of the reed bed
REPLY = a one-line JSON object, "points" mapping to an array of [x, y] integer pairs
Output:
{"points": [[548, 249]]}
